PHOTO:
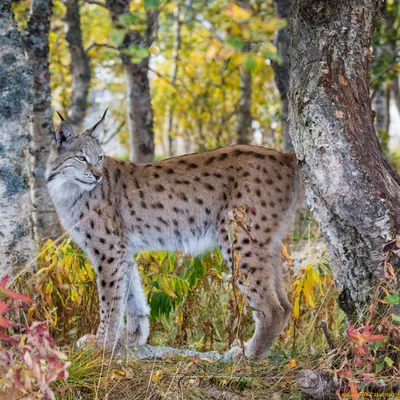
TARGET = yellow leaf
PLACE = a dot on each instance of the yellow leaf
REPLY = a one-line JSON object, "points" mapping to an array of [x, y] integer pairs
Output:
{"points": [[296, 308], [308, 290], [237, 13], [118, 374], [292, 363], [167, 288], [289, 259], [156, 377]]}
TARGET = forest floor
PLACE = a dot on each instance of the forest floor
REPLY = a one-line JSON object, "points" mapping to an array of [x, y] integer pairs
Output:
{"points": [[185, 377]]}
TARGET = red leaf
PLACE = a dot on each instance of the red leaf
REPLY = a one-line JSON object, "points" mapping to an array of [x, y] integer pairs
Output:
{"points": [[15, 296], [8, 339], [4, 281], [371, 379], [5, 323], [3, 308]]}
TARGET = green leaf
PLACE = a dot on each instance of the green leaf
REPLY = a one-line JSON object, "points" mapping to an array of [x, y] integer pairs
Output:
{"points": [[235, 42], [393, 298], [250, 64], [396, 318], [151, 4], [128, 19], [379, 368], [388, 361], [117, 36]]}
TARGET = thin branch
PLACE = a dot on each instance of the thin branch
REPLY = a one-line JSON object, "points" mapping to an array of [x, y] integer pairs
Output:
{"points": [[115, 133], [205, 23], [98, 3], [93, 44]]}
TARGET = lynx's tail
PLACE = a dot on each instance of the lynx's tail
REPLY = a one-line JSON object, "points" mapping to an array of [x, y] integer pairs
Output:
{"points": [[299, 187]]}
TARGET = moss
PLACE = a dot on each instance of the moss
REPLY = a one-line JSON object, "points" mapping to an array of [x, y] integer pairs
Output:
{"points": [[15, 92], [14, 183]]}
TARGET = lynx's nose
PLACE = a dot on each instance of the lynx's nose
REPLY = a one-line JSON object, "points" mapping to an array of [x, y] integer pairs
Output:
{"points": [[97, 175]]}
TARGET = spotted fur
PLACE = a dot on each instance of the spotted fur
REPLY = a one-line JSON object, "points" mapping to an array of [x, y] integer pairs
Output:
{"points": [[176, 204]]}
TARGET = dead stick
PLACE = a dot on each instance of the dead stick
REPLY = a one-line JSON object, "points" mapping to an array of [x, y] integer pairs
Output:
{"points": [[326, 333]]}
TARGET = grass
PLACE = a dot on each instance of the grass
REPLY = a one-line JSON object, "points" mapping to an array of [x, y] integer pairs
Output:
{"points": [[192, 307]]}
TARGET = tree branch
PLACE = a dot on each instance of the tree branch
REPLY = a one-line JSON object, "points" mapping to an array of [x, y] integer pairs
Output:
{"points": [[205, 23], [93, 44], [115, 133], [98, 3]]}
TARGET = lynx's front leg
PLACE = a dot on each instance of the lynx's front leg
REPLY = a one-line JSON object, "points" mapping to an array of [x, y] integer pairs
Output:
{"points": [[112, 284], [137, 310]]}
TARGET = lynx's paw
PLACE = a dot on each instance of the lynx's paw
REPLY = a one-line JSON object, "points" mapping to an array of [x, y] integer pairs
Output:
{"points": [[98, 341], [235, 353], [86, 341], [137, 330]]}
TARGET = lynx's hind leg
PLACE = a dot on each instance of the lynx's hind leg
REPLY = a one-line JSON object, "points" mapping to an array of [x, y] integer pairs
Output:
{"points": [[262, 284]]}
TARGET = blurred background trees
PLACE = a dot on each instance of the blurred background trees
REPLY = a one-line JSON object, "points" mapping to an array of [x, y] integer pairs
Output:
{"points": [[178, 76]]}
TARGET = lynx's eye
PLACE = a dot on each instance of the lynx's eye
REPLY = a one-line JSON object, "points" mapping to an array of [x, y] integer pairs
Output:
{"points": [[101, 158], [81, 158]]}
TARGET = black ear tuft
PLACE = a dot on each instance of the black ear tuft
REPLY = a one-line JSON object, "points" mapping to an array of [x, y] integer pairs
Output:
{"points": [[61, 117], [64, 134], [95, 130]]}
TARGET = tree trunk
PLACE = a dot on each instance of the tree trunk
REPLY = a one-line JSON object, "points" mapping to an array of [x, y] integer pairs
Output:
{"points": [[174, 73], [351, 188], [381, 106], [396, 92], [36, 40], [16, 98], [281, 69], [80, 65], [244, 132], [140, 112]]}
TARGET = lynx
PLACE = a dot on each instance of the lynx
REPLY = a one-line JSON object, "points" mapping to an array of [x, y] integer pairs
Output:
{"points": [[114, 209]]}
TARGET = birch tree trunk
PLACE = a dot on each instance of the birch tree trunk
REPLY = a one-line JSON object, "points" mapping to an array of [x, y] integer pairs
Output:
{"points": [[381, 106], [16, 98], [36, 40], [281, 69], [80, 65], [140, 112], [351, 188], [174, 73], [244, 130]]}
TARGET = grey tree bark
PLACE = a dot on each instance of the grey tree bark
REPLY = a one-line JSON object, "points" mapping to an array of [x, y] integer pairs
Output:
{"points": [[381, 95], [351, 188], [396, 92], [244, 129], [80, 65], [281, 69], [36, 40], [140, 112], [381, 106], [174, 73], [16, 103]]}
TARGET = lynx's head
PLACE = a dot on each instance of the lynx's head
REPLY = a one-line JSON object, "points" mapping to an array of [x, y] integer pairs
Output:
{"points": [[76, 160]]}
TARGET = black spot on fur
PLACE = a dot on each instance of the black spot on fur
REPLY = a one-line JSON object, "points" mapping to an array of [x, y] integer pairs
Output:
{"points": [[210, 160]]}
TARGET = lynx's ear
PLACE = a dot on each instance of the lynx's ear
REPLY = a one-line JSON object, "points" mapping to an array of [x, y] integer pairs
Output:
{"points": [[64, 134], [95, 130]]}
